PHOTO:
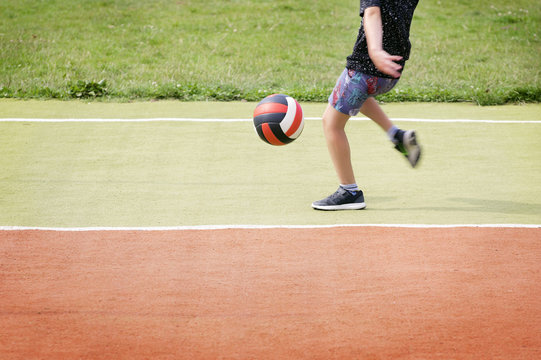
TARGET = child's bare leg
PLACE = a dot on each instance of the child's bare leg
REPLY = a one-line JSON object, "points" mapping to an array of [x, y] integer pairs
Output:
{"points": [[334, 123], [348, 196], [372, 110]]}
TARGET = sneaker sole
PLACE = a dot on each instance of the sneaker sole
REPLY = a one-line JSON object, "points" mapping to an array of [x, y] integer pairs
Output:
{"points": [[351, 206]]}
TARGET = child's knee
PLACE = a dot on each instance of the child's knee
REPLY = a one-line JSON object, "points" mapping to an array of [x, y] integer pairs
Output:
{"points": [[333, 120]]}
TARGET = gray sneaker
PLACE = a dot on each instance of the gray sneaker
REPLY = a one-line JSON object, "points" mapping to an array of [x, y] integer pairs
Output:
{"points": [[409, 147], [341, 200]]}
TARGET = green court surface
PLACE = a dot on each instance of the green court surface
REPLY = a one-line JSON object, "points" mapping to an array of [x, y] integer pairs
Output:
{"points": [[185, 173]]}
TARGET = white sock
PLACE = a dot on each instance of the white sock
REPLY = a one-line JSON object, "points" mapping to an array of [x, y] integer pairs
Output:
{"points": [[392, 132], [352, 188]]}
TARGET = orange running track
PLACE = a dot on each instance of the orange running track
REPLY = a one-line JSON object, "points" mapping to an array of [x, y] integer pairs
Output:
{"points": [[332, 293]]}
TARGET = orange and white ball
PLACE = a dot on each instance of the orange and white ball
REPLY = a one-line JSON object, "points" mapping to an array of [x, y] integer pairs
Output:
{"points": [[278, 119]]}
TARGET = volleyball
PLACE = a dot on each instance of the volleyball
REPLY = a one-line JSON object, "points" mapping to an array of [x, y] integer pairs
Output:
{"points": [[278, 119]]}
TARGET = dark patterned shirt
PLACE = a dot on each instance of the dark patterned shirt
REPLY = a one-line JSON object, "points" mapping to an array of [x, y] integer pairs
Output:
{"points": [[396, 16]]}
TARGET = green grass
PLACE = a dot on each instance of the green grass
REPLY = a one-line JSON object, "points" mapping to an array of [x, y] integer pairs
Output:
{"points": [[482, 51]]}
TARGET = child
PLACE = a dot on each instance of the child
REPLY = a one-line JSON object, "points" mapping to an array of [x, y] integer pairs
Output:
{"points": [[374, 68]]}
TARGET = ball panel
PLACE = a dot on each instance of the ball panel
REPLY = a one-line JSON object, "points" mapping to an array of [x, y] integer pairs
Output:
{"points": [[273, 118], [272, 134], [269, 135], [298, 123], [279, 134], [293, 118], [290, 115], [267, 108], [275, 98]]}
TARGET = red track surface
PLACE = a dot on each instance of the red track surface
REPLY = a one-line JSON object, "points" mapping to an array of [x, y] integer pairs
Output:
{"points": [[369, 293]]}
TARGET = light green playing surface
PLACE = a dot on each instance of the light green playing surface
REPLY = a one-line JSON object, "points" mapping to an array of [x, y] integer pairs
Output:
{"points": [[146, 174]]}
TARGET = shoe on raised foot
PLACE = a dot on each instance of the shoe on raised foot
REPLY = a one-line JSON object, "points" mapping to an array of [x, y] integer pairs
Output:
{"points": [[341, 200], [409, 147]]}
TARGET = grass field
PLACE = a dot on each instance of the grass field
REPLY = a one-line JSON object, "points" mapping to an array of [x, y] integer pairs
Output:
{"points": [[481, 51]]}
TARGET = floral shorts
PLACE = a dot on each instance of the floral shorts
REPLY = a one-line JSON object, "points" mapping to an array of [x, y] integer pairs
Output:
{"points": [[353, 88]]}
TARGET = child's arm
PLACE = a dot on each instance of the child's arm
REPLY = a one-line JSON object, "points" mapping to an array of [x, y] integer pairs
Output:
{"points": [[374, 37]]}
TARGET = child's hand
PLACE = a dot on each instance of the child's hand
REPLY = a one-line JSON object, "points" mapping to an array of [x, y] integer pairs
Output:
{"points": [[385, 62]]}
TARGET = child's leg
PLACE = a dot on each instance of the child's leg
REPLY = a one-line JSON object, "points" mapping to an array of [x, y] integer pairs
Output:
{"points": [[348, 196], [334, 123], [372, 110]]}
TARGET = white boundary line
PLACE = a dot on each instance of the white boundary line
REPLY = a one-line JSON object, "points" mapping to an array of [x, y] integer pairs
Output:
{"points": [[105, 120], [249, 120], [256, 227]]}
